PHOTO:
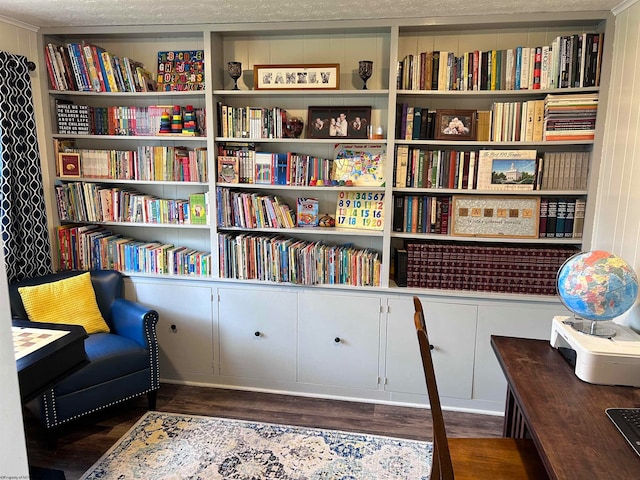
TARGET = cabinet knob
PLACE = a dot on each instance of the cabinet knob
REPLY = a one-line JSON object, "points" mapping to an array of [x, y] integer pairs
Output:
{"points": [[257, 334], [337, 340], [431, 347], [174, 328]]}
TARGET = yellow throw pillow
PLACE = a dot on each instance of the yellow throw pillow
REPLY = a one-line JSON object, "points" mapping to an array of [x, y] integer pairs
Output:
{"points": [[71, 301]]}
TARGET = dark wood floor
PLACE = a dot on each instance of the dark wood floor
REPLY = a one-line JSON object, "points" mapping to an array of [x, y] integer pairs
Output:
{"points": [[82, 443]]}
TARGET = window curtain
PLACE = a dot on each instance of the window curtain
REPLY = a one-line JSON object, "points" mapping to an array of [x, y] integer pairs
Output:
{"points": [[27, 251]]}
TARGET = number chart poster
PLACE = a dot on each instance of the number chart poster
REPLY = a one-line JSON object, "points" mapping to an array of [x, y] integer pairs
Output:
{"points": [[360, 210]]}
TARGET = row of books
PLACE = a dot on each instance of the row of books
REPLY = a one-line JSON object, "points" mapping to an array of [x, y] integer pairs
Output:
{"points": [[85, 67], [242, 163], [483, 268], [274, 258], [118, 120], [475, 169], [557, 117], [570, 117], [90, 202], [422, 214], [147, 163], [570, 61], [252, 210], [557, 218], [93, 247], [251, 122], [561, 217]]}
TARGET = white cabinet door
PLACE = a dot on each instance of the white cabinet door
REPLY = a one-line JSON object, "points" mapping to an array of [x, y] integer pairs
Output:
{"points": [[257, 332], [185, 327], [451, 329], [338, 340], [525, 320]]}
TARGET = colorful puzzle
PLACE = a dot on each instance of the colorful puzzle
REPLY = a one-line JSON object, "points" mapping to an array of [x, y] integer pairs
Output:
{"points": [[28, 340]]}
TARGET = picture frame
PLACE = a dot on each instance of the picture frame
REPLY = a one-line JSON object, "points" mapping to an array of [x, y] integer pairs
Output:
{"points": [[495, 216], [338, 122], [312, 76], [69, 164], [456, 125], [507, 170]]}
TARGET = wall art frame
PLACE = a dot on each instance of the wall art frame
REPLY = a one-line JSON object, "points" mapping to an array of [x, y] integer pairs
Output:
{"points": [[312, 76], [495, 216]]}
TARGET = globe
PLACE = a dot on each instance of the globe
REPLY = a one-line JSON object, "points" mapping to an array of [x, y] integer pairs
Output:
{"points": [[597, 286]]}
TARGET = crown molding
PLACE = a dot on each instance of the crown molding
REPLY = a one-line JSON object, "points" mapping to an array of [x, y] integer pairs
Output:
{"points": [[623, 6], [18, 23]]}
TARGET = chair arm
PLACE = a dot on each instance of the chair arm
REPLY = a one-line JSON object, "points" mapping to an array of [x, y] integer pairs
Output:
{"points": [[134, 321]]}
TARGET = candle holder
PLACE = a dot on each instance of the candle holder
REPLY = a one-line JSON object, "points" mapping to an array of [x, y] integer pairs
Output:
{"points": [[235, 72], [365, 69]]}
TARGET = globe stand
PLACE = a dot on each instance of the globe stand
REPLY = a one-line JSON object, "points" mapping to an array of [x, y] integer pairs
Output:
{"points": [[593, 327]]}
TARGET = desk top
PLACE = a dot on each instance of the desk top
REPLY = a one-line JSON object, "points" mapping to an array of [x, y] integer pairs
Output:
{"points": [[566, 416]]}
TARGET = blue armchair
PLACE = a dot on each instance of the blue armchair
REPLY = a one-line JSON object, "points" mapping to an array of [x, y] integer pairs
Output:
{"points": [[122, 364]]}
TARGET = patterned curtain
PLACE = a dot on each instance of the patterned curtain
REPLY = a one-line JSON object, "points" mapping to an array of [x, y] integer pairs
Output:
{"points": [[22, 210]]}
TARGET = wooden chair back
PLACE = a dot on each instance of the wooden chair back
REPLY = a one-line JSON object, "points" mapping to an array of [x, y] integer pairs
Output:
{"points": [[441, 468]]}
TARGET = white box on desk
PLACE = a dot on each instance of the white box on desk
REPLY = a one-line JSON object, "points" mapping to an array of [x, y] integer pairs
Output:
{"points": [[601, 360]]}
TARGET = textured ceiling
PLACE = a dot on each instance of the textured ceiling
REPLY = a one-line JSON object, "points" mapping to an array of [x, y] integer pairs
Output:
{"points": [[60, 13]]}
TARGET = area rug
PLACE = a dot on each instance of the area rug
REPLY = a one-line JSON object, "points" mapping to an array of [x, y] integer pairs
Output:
{"points": [[164, 446]]}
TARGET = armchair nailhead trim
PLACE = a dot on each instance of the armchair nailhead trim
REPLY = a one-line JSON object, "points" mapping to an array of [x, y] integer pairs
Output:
{"points": [[94, 409]]}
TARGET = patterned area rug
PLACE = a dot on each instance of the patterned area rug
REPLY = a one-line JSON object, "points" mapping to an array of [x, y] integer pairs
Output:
{"points": [[172, 446]]}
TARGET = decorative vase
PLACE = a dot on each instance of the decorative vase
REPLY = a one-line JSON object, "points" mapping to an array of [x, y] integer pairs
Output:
{"points": [[235, 72], [365, 69], [293, 127]]}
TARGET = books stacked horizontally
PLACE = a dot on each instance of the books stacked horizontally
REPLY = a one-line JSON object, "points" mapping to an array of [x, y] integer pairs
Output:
{"points": [[485, 268], [84, 67], [570, 117]]}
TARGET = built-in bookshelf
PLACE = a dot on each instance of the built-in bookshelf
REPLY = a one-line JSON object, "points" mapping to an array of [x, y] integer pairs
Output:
{"points": [[505, 71]]}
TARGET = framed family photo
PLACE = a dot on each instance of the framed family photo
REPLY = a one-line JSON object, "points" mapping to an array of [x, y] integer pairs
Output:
{"points": [[338, 122], [455, 125], [321, 76]]}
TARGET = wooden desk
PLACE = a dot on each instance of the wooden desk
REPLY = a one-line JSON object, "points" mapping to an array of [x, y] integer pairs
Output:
{"points": [[45, 366], [562, 414]]}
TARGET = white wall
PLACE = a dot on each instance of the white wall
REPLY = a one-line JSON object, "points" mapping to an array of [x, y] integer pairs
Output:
{"points": [[19, 39], [617, 216]]}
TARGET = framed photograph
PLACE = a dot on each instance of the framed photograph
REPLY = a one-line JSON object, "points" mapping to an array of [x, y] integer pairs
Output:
{"points": [[320, 76], [497, 216], [507, 169], [338, 122], [69, 164], [455, 125]]}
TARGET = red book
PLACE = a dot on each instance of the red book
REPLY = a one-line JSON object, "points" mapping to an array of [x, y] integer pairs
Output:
{"points": [[537, 68], [452, 169]]}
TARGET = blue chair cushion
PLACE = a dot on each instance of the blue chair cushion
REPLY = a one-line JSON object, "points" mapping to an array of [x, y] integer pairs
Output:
{"points": [[111, 357]]}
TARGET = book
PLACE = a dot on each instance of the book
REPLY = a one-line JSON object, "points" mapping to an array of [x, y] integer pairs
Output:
{"points": [[307, 212], [264, 168], [198, 209], [228, 169], [506, 169], [401, 264], [578, 217]]}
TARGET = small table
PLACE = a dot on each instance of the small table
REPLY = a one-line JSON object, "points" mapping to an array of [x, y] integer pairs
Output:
{"points": [[47, 363], [563, 415]]}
